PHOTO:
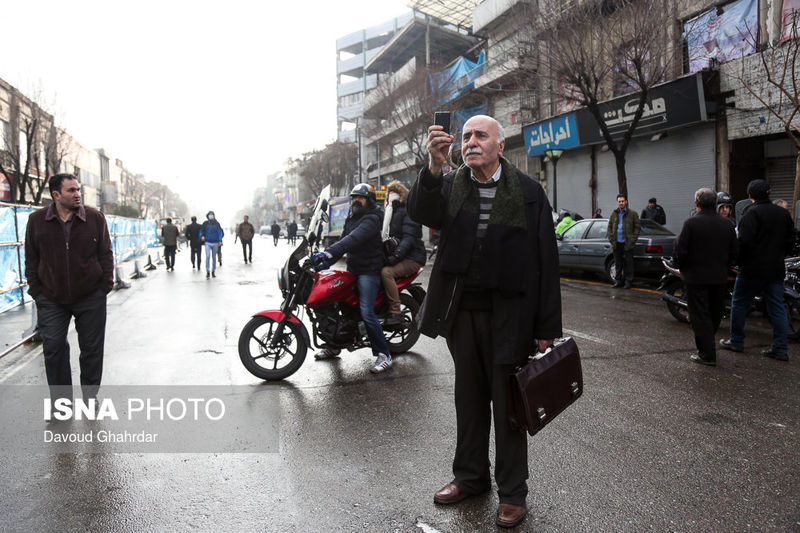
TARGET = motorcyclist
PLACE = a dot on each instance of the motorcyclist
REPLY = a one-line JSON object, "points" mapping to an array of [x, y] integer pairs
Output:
{"points": [[409, 255], [361, 241], [725, 206]]}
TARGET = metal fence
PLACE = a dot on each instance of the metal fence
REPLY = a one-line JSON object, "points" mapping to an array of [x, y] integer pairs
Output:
{"points": [[129, 237]]}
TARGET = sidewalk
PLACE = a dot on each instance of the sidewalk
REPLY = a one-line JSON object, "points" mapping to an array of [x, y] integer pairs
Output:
{"points": [[15, 322]]}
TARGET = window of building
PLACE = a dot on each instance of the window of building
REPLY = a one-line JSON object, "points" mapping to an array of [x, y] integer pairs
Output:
{"points": [[5, 135], [351, 99]]}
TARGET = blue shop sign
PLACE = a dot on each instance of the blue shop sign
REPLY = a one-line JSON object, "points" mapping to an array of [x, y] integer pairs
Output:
{"points": [[553, 134]]}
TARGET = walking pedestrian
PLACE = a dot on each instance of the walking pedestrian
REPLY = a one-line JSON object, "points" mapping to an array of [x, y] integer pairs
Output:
{"points": [[493, 291], [766, 235], [292, 230], [276, 232], [169, 235], [245, 232], [211, 234], [69, 264], [623, 230], [195, 242], [704, 251]]}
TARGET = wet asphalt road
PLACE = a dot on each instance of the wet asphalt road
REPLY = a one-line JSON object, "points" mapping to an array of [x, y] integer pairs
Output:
{"points": [[656, 443]]}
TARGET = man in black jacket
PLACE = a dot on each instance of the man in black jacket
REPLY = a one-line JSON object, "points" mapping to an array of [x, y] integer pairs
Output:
{"points": [[195, 243], [704, 250], [766, 235], [361, 241], [654, 212], [494, 291]]}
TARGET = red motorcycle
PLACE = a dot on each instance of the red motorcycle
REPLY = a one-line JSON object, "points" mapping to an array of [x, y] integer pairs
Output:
{"points": [[274, 343]]}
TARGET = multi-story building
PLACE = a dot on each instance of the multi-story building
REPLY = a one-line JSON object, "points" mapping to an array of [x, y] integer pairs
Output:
{"points": [[429, 64], [353, 52], [704, 129]]}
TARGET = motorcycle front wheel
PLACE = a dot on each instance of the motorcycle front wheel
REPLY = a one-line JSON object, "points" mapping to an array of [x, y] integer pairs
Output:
{"points": [[402, 340], [793, 314], [266, 361], [676, 289]]}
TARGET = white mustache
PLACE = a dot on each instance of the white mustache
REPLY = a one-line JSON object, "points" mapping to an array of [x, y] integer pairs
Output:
{"points": [[473, 151]]}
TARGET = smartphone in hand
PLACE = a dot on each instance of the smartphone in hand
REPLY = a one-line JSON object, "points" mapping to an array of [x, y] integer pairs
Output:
{"points": [[442, 118]]}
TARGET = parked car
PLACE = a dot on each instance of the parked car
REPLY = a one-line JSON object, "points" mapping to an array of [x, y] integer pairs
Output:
{"points": [[584, 247], [265, 230]]}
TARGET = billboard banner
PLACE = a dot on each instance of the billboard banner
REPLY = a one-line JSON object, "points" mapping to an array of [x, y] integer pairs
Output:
{"points": [[677, 103], [721, 34]]}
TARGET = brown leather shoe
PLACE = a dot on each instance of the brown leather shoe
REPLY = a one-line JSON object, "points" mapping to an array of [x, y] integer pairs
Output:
{"points": [[509, 515], [448, 494]]}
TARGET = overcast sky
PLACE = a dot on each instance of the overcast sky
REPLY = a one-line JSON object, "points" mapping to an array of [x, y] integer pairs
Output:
{"points": [[206, 97]]}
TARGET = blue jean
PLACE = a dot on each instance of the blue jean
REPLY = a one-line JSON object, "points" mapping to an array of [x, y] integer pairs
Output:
{"points": [[743, 293], [211, 255], [368, 287]]}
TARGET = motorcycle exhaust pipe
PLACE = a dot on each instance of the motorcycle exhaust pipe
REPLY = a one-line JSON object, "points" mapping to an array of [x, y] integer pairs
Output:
{"points": [[669, 298]]}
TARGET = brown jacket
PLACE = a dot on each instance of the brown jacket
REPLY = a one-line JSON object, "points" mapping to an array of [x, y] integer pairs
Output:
{"points": [[67, 272], [245, 231]]}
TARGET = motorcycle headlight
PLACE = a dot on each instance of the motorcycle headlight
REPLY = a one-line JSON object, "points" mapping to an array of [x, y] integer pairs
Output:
{"points": [[281, 280]]}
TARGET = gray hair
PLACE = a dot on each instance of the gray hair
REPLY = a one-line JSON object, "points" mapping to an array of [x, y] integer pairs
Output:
{"points": [[705, 198]]}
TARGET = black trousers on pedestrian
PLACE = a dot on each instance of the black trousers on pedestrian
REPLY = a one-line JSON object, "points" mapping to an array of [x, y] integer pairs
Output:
{"points": [[275, 240], [245, 244], [480, 397], [197, 251], [624, 261], [90, 323], [169, 255], [706, 307]]}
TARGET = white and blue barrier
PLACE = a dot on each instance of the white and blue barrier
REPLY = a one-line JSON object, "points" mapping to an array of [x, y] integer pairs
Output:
{"points": [[130, 237]]}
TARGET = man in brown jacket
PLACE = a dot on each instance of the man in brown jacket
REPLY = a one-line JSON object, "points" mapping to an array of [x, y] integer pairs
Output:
{"points": [[245, 232], [69, 265]]}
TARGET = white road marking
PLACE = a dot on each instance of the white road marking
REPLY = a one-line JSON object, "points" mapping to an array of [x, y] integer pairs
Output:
{"points": [[586, 336]]}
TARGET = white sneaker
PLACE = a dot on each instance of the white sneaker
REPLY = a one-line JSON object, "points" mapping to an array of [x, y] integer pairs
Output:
{"points": [[382, 363]]}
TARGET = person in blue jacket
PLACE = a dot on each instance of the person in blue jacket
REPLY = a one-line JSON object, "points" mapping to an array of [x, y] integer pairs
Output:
{"points": [[211, 234], [361, 241]]}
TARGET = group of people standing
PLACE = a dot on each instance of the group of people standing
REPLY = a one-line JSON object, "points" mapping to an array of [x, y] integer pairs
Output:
{"points": [[708, 246]]}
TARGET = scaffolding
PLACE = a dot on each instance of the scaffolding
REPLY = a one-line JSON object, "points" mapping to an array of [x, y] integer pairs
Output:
{"points": [[455, 12]]}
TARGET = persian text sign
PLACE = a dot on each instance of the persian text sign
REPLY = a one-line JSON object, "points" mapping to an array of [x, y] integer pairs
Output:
{"points": [[556, 133]]}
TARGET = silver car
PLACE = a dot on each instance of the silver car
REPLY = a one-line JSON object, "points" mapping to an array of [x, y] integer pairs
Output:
{"points": [[584, 247]]}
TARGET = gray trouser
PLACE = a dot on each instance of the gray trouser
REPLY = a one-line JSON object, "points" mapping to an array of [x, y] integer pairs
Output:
{"points": [[480, 395], [90, 323]]}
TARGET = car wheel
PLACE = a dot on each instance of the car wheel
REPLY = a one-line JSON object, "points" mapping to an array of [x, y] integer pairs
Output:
{"points": [[611, 270]]}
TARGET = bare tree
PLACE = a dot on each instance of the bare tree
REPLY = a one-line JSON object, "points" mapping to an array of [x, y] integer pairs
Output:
{"points": [[334, 164], [778, 65], [587, 50], [34, 150], [405, 107]]}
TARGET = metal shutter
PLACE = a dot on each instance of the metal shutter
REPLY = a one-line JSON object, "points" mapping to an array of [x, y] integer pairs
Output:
{"points": [[574, 174], [670, 169], [780, 175]]}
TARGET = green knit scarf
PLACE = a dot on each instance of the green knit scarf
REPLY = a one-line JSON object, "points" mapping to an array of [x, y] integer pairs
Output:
{"points": [[508, 207]]}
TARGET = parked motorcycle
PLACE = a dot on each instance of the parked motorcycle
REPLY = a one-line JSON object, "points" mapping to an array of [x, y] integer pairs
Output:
{"points": [[674, 288], [274, 343]]}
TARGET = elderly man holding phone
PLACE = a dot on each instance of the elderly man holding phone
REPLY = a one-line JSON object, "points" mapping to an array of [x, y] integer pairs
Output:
{"points": [[494, 295]]}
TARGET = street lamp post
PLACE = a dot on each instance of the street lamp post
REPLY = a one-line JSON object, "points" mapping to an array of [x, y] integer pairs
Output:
{"points": [[554, 156]]}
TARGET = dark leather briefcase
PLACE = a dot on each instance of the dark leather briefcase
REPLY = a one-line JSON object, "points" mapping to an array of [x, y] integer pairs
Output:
{"points": [[546, 385]]}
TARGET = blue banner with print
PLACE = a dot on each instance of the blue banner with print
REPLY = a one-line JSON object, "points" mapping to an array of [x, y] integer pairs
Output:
{"points": [[557, 133]]}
